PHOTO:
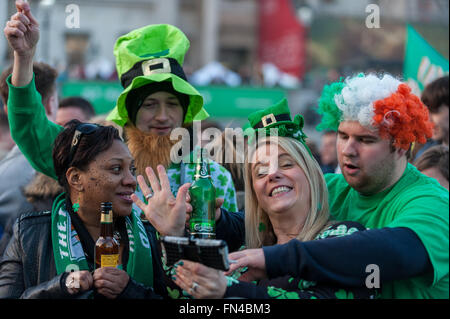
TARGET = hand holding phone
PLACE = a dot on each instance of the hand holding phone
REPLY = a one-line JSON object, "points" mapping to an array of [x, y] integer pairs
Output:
{"points": [[209, 252]]}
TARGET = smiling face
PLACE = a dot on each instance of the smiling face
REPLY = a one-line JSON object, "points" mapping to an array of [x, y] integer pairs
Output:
{"points": [[368, 163], [109, 178], [159, 114], [279, 183]]}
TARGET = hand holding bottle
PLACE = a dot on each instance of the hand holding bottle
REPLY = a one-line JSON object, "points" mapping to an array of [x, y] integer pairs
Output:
{"points": [[110, 281], [219, 203], [79, 281]]}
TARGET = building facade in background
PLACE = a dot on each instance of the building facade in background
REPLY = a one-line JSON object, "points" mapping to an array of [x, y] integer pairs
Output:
{"points": [[334, 41]]}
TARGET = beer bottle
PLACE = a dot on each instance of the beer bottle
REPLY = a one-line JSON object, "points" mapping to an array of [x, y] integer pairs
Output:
{"points": [[106, 247], [202, 223]]}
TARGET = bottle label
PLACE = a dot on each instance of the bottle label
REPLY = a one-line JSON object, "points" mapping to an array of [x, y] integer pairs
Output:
{"points": [[106, 218], [202, 171], [202, 165], [202, 227], [109, 260]]}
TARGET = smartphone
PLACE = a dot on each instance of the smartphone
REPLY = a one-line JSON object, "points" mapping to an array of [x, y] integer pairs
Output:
{"points": [[209, 252]]}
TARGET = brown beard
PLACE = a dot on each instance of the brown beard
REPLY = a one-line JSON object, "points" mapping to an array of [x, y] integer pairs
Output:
{"points": [[148, 150]]}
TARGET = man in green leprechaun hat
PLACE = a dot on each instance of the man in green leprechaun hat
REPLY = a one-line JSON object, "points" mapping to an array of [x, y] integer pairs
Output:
{"points": [[157, 98]]}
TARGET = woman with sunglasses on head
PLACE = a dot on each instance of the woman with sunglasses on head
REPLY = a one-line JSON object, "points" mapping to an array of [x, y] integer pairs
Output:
{"points": [[51, 254]]}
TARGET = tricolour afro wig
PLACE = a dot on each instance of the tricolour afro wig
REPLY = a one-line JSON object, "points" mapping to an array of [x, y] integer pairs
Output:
{"points": [[383, 103]]}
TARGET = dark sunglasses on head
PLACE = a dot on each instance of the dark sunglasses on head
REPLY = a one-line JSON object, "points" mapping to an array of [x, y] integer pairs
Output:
{"points": [[81, 129]]}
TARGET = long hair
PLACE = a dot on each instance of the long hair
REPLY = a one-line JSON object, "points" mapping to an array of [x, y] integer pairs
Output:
{"points": [[255, 216]]}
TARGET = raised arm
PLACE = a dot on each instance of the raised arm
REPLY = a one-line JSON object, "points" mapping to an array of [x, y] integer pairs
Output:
{"points": [[22, 33], [30, 128]]}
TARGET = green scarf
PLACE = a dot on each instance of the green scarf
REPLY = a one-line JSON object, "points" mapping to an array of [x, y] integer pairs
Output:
{"points": [[69, 254]]}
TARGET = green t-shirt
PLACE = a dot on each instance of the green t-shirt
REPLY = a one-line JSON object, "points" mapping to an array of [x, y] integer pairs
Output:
{"points": [[416, 202]]}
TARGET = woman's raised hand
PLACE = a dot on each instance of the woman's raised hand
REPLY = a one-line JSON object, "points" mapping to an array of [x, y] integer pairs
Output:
{"points": [[166, 213]]}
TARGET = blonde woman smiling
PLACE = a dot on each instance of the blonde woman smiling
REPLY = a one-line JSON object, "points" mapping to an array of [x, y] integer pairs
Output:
{"points": [[286, 198]]}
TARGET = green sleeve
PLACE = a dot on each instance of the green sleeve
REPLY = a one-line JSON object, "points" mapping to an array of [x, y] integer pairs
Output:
{"points": [[30, 128]]}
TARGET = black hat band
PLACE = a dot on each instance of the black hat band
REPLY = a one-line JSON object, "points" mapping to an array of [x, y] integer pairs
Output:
{"points": [[271, 119], [152, 66]]}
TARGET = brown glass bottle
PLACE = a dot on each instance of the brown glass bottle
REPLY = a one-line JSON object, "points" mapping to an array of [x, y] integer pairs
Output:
{"points": [[106, 247]]}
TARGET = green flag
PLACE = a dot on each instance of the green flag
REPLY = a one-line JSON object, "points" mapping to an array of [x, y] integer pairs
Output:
{"points": [[423, 63]]}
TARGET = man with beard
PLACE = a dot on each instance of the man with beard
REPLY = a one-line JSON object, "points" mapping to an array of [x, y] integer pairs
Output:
{"points": [[405, 250], [156, 99]]}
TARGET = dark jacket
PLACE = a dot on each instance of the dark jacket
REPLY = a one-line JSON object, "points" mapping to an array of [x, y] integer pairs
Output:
{"points": [[28, 270], [40, 193]]}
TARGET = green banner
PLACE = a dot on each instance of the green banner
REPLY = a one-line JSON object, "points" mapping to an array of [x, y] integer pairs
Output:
{"points": [[238, 102], [220, 102], [423, 63], [102, 95]]}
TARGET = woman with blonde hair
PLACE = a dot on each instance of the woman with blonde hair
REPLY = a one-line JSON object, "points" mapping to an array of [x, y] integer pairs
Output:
{"points": [[286, 198], [262, 225]]}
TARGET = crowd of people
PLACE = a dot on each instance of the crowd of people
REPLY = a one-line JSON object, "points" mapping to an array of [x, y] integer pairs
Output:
{"points": [[298, 224]]}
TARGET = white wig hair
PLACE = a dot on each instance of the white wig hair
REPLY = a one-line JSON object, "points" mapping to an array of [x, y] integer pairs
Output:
{"points": [[359, 93]]}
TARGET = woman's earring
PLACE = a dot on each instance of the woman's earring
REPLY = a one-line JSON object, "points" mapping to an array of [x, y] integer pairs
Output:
{"points": [[76, 207]]}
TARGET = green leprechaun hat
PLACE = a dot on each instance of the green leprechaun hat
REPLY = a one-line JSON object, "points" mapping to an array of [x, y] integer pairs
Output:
{"points": [[278, 116], [154, 54]]}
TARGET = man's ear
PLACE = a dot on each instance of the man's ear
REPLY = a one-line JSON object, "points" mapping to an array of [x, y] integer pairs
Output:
{"points": [[74, 179], [51, 106], [401, 152]]}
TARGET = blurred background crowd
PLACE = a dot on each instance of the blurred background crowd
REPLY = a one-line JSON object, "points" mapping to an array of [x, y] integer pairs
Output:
{"points": [[245, 54]]}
